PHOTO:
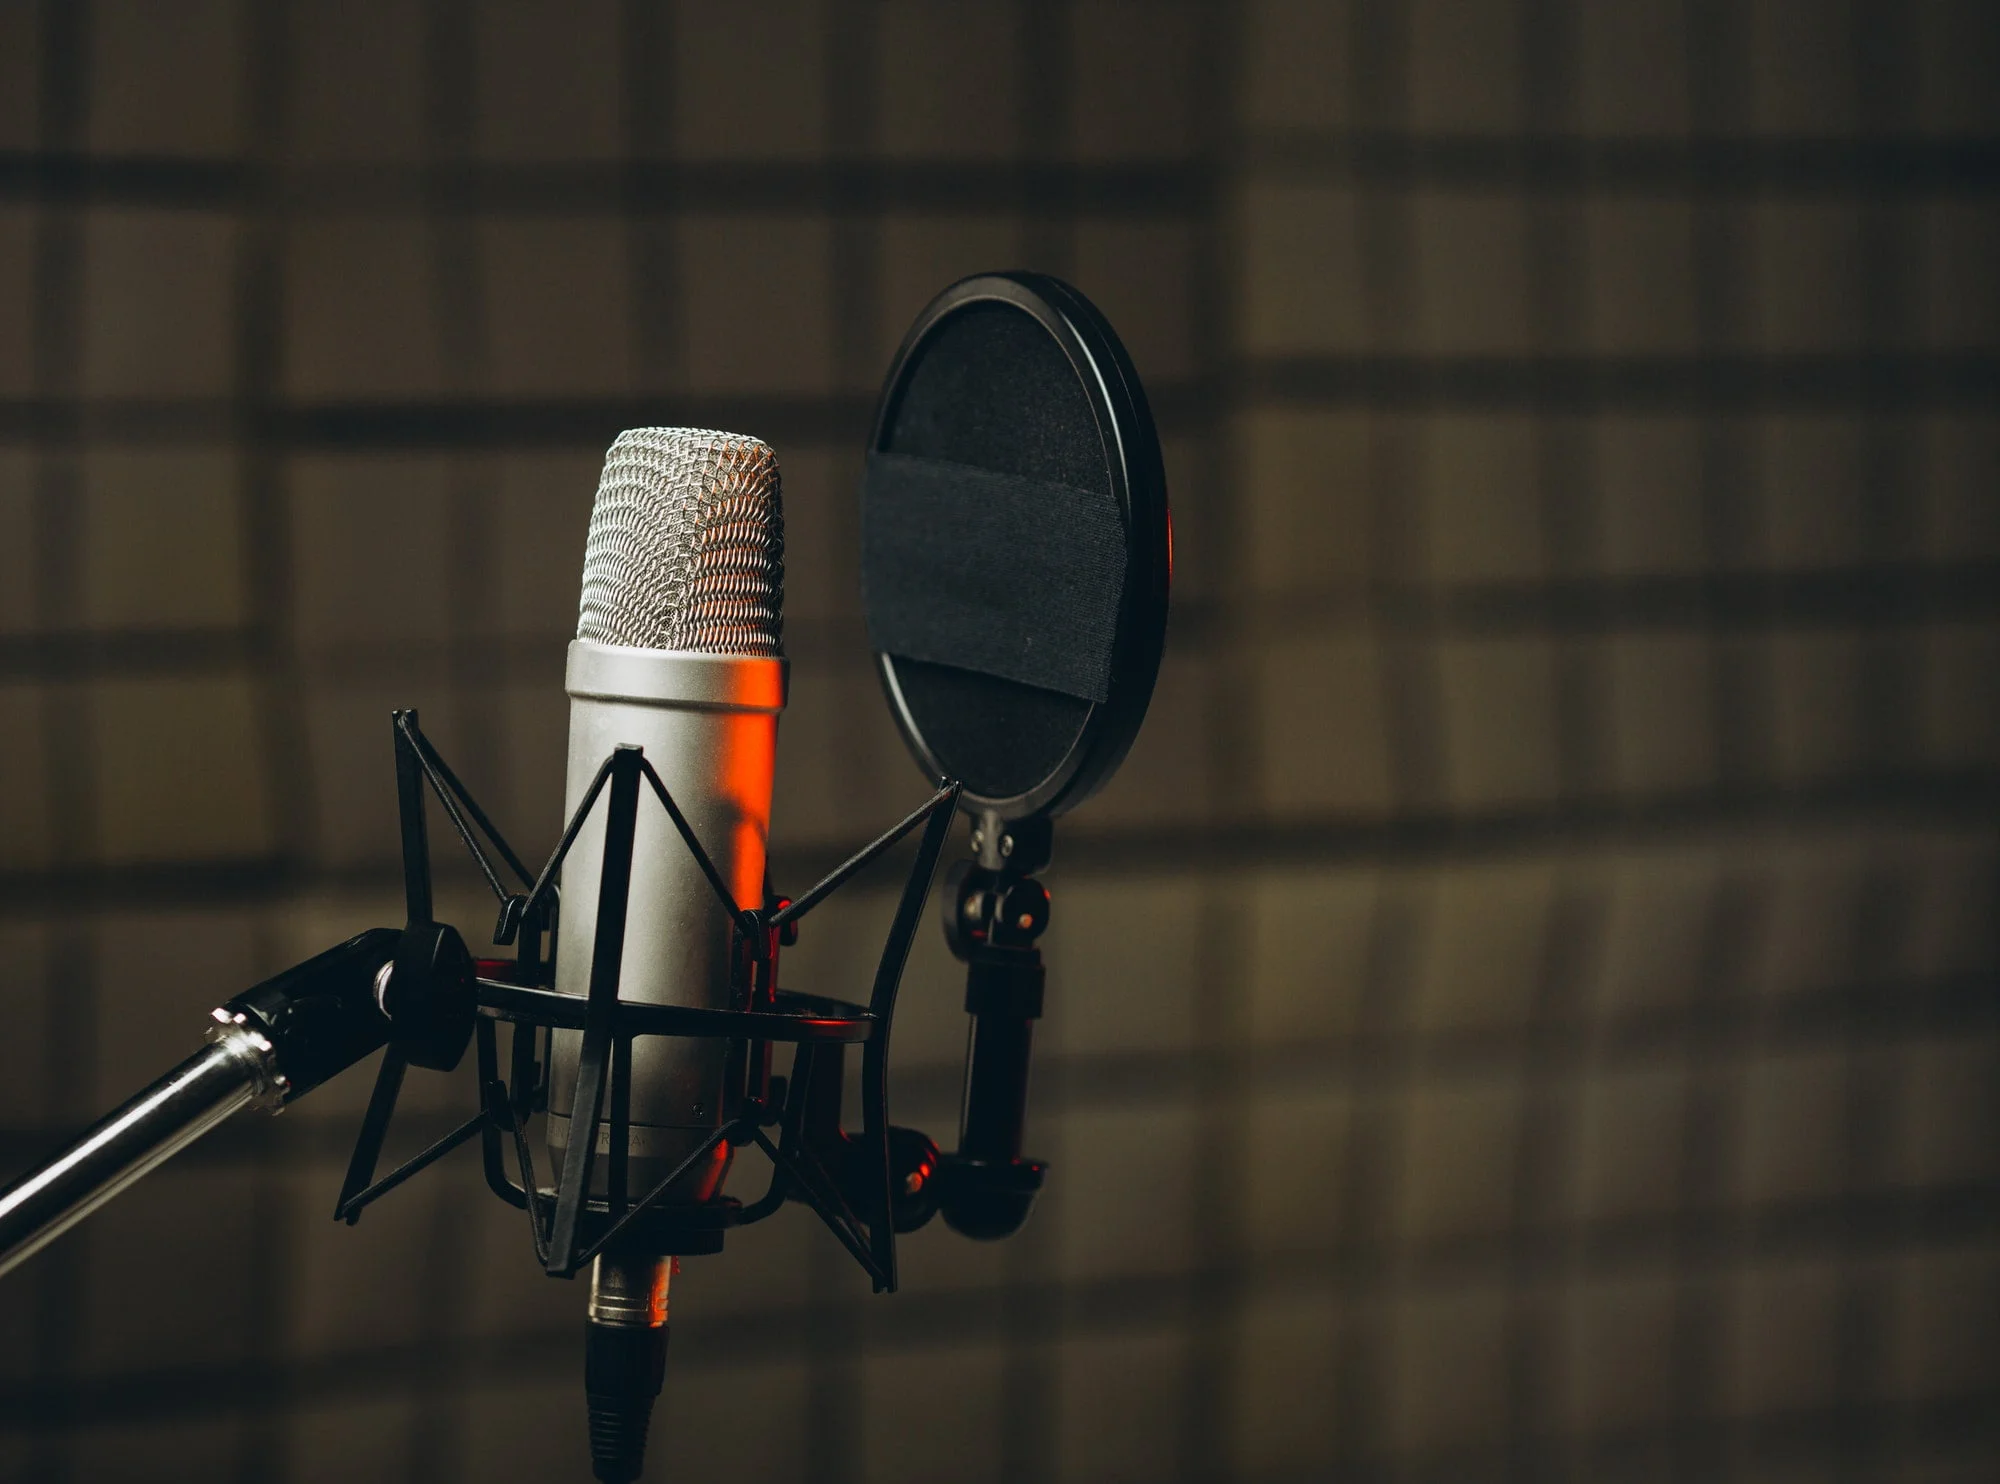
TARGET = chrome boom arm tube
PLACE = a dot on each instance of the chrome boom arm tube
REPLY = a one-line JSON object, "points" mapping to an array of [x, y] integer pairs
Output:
{"points": [[269, 1046], [237, 1069]]}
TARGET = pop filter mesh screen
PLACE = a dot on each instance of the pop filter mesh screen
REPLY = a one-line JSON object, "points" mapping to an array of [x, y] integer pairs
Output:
{"points": [[993, 549]]}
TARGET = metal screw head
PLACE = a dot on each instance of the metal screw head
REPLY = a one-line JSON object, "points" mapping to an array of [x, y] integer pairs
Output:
{"points": [[978, 839], [1006, 845]]}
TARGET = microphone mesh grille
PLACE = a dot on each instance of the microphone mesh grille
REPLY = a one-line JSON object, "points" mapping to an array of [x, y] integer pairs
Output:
{"points": [[687, 545]]}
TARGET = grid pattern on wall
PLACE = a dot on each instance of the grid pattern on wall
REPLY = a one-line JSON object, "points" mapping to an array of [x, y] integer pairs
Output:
{"points": [[1527, 1007]]}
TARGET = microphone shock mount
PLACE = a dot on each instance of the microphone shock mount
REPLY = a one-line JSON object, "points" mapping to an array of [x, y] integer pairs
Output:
{"points": [[866, 1185]]}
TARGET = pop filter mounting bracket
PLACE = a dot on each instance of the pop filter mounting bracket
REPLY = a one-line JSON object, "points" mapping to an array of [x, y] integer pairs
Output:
{"points": [[1017, 555]]}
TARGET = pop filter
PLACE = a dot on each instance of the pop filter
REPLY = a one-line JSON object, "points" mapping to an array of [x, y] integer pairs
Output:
{"points": [[1016, 544]]}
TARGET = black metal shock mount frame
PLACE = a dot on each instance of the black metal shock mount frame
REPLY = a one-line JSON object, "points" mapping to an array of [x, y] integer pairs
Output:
{"points": [[865, 1187]]}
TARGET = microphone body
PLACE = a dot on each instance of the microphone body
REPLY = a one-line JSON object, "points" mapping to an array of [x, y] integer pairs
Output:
{"points": [[708, 724], [679, 651]]}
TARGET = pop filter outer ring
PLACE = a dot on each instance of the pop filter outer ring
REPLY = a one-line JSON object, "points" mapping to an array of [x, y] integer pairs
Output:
{"points": [[1090, 736]]}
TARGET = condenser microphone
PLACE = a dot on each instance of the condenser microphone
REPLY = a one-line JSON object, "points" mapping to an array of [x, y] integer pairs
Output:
{"points": [[679, 651]]}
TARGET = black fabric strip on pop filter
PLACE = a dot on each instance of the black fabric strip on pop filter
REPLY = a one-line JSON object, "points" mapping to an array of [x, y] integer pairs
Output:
{"points": [[992, 573]]}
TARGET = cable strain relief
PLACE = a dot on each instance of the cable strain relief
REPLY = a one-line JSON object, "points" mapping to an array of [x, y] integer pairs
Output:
{"points": [[618, 1427], [624, 1367]]}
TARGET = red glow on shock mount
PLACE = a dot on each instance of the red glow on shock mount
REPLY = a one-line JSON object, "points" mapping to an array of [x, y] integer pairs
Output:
{"points": [[919, 1177]]}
